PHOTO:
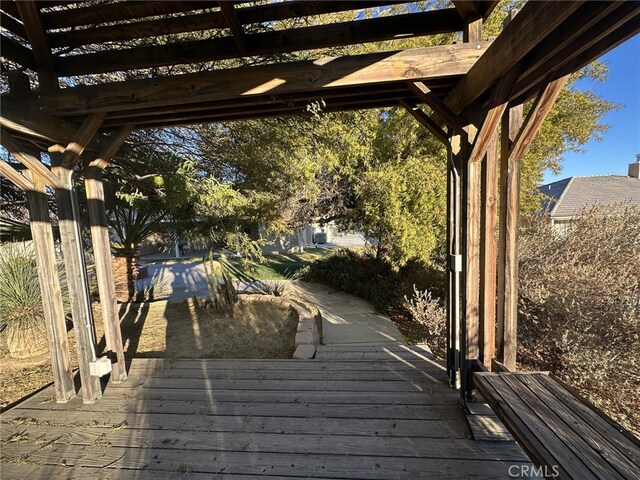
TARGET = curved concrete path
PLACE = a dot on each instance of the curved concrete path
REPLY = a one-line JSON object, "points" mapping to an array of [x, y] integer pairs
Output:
{"points": [[347, 319]]}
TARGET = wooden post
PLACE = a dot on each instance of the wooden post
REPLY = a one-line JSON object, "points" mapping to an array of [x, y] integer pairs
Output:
{"points": [[48, 277], [488, 253], [516, 138], [76, 271], [454, 266], [470, 223], [43, 243], [507, 303], [102, 255], [471, 226]]}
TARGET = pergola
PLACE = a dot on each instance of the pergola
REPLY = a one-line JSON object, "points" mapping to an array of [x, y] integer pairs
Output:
{"points": [[460, 92]]}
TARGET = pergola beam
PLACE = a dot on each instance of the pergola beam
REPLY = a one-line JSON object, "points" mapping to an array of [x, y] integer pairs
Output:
{"points": [[20, 181], [81, 139], [28, 160], [14, 26], [231, 18], [35, 34], [603, 25], [424, 64], [426, 96], [12, 50], [535, 21], [267, 43], [426, 121], [114, 12], [29, 121], [270, 12]]}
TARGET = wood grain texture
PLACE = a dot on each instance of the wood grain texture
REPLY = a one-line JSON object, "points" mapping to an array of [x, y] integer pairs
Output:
{"points": [[202, 21], [213, 432], [15, 177], [260, 44], [49, 280], [28, 160], [547, 420], [488, 252], [535, 21], [425, 121], [104, 269], [75, 269], [316, 76], [507, 302]]}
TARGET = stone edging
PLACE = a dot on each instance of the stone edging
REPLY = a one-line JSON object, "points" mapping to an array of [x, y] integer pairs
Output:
{"points": [[307, 335]]}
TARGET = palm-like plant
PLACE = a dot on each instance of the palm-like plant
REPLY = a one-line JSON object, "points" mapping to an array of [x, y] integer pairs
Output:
{"points": [[21, 301], [130, 226]]}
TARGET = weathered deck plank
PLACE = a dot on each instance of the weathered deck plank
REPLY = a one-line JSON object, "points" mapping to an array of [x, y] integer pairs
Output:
{"points": [[375, 419]]}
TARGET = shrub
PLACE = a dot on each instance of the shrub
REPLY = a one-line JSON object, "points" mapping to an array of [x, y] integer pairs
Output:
{"points": [[360, 274], [21, 301], [579, 305], [431, 313]]}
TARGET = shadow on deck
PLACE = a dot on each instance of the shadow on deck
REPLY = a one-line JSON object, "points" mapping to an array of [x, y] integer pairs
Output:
{"points": [[361, 412]]}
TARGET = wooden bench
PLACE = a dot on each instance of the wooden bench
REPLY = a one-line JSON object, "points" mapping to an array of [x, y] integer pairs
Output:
{"points": [[563, 434]]}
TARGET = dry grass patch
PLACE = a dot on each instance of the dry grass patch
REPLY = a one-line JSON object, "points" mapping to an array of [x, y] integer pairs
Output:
{"points": [[162, 329]]}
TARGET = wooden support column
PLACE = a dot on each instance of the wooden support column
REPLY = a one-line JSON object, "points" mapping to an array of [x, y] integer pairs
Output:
{"points": [[76, 272], [454, 266], [102, 254], [516, 138], [73, 254], [508, 240], [43, 242], [48, 277], [471, 235], [470, 223], [488, 253]]}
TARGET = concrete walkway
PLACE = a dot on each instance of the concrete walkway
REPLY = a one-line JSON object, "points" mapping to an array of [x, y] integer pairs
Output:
{"points": [[347, 319]]}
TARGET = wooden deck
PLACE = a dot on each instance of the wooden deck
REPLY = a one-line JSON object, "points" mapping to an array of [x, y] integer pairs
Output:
{"points": [[361, 412]]}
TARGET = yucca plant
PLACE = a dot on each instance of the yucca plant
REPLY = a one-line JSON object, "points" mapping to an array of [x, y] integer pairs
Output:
{"points": [[222, 293], [21, 307]]}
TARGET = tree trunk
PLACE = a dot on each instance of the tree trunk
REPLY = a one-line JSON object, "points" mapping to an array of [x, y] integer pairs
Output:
{"points": [[125, 273]]}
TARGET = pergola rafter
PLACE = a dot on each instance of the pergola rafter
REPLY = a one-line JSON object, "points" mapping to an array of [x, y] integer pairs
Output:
{"points": [[470, 87]]}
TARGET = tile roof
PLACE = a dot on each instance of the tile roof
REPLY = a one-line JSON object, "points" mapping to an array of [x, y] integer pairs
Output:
{"points": [[572, 194]]}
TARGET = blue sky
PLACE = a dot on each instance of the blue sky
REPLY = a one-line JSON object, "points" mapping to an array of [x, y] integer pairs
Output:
{"points": [[622, 142]]}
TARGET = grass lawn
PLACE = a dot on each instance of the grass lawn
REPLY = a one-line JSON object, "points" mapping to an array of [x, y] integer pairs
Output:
{"points": [[277, 266]]}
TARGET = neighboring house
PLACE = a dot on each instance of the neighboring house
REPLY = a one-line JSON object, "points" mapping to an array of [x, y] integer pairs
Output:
{"points": [[566, 198]]}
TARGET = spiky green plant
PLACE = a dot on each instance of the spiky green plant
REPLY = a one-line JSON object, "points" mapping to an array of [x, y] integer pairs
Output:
{"points": [[222, 293], [21, 307]]}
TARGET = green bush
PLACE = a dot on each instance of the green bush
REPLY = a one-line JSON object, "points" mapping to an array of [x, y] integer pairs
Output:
{"points": [[21, 302], [362, 275]]}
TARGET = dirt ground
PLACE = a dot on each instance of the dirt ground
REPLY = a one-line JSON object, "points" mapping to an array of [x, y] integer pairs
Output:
{"points": [[160, 329]]}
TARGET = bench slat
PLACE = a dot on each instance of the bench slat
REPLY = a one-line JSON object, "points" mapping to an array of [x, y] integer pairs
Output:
{"points": [[522, 425], [597, 437], [556, 428], [626, 445]]}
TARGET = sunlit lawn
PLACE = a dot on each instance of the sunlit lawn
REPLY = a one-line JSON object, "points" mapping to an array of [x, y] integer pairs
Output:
{"points": [[276, 266]]}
